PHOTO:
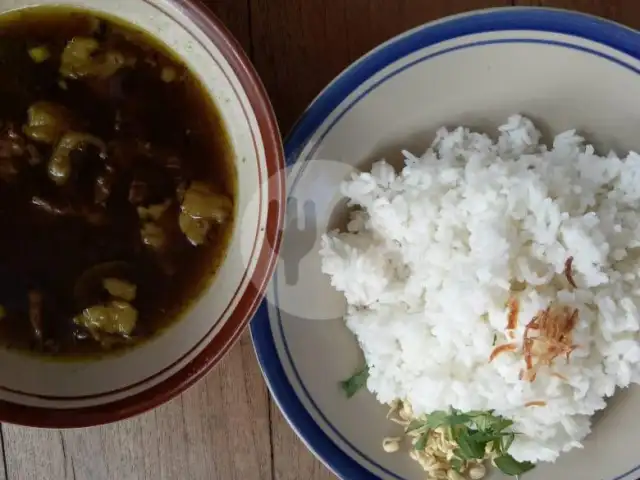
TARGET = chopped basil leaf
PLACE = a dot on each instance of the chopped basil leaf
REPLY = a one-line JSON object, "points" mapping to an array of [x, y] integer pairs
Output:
{"points": [[510, 466], [358, 380]]}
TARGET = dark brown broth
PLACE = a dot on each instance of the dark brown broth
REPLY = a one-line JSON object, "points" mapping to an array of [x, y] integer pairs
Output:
{"points": [[145, 121]]}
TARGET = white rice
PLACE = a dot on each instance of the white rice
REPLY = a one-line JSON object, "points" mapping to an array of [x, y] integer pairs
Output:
{"points": [[430, 256]]}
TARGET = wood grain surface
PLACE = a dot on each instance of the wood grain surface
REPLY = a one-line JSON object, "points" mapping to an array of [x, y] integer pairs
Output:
{"points": [[225, 427]]}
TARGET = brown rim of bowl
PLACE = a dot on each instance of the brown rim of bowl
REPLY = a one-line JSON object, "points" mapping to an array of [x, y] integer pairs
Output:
{"points": [[209, 357]]}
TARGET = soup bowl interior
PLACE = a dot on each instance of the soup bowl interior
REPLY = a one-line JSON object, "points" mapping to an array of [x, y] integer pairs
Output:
{"points": [[116, 386]]}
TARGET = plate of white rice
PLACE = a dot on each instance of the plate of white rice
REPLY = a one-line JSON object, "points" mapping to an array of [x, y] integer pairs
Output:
{"points": [[458, 293]]}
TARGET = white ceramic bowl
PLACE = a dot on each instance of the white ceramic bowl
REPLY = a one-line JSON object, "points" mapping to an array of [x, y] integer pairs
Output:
{"points": [[48, 394], [560, 68]]}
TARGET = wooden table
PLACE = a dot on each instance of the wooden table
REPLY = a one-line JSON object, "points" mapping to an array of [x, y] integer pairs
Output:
{"points": [[226, 427]]}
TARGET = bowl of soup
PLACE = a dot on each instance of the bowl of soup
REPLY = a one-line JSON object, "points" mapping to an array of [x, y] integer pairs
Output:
{"points": [[141, 202]]}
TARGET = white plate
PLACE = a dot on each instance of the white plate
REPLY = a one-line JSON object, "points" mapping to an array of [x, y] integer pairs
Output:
{"points": [[560, 68]]}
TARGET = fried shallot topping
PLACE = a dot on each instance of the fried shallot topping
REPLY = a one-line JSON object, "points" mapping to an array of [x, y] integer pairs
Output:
{"points": [[512, 319], [507, 347], [568, 272], [553, 337]]}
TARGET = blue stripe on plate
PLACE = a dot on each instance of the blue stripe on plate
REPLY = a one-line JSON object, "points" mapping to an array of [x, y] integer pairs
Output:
{"points": [[545, 20]]}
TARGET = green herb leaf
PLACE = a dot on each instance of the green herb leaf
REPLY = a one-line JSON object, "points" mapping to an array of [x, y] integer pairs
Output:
{"points": [[457, 464], [455, 432], [484, 437], [414, 426], [496, 446], [495, 339], [458, 419], [499, 424], [489, 436], [510, 466], [477, 413], [421, 444], [358, 380], [470, 449], [437, 419], [506, 441], [483, 422], [486, 421]]}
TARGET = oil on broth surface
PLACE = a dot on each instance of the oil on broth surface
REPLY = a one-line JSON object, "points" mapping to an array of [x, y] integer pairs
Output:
{"points": [[117, 184]]}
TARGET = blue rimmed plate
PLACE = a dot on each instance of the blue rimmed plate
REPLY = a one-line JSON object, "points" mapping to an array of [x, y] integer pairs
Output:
{"points": [[560, 68]]}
